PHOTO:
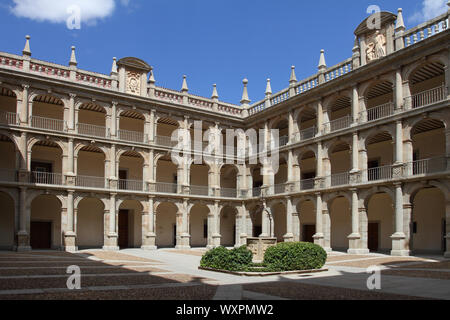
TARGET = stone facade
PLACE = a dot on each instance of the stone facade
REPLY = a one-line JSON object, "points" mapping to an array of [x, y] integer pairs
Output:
{"points": [[364, 147]]}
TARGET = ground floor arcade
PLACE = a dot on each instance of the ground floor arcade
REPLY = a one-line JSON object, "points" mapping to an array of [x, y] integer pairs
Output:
{"points": [[398, 219]]}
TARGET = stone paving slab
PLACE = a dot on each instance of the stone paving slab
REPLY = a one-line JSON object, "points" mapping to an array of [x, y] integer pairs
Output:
{"points": [[191, 291], [104, 255], [84, 271], [301, 291], [418, 274], [366, 263]]}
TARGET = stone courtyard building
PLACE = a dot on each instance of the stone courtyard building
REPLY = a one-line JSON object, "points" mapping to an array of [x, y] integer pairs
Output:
{"points": [[364, 154]]}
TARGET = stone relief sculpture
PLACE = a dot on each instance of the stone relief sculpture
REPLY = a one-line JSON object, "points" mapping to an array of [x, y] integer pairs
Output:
{"points": [[133, 83], [376, 46]]}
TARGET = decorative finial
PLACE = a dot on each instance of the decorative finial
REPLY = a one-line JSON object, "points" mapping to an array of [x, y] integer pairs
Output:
{"points": [[245, 99], [114, 66], [152, 77], [400, 23], [322, 63], [215, 95], [268, 88], [26, 51], [293, 79], [73, 58], [184, 88]]}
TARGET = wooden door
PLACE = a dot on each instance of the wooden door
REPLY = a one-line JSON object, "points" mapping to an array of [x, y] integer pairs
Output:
{"points": [[123, 229], [41, 235], [308, 233], [373, 236]]}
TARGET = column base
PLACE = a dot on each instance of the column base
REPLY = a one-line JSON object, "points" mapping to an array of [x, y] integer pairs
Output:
{"points": [[183, 242], [181, 247], [24, 249], [400, 253], [70, 249], [110, 248], [288, 237], [358, 251], [447, 254], [327, 250], [149, 248]]}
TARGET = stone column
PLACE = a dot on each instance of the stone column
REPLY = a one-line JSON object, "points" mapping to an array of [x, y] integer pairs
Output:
{"points": [[447, 220], [111, 235], [183, 236], [242, 230], [407, 225], [113, 174], [398, 165], [23, 236], [114, 120], [319, 236], [355, 238], [289, 236], [355, 153], [407, 99], [70, 234], [326, 227], [319, 118], [362, 110], [22, 106], [296, 225], [408, 150], [364, 227], [398, 90], [148, 226], [71, 116], [398, 238], [355, 105]]}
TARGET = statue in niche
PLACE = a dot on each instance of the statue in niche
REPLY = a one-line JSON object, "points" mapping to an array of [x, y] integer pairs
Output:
{"points": [[376, 46]]}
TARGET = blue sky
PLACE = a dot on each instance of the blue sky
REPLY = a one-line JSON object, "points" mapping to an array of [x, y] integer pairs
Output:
{"points": [[211, 41]]}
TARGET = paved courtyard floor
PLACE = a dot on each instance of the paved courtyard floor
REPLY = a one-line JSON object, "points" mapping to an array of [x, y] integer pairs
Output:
{"points": [[171, 274]]}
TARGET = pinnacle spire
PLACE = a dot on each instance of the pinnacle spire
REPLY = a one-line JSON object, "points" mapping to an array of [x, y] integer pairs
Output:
{"points": [[152, 77], [215, 95], [268, 88], [184, 88], [293, 79], [400, 23], [73, 58], [114, 66], [26, 51], [322, 63], [245, 99]]}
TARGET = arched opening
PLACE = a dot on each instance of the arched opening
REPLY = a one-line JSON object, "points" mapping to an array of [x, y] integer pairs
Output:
{"points": [[283, 131], [199, 179], [428, 222], [46, 163], [279, 221], [199, 225], [130, 224], [131, 126], [257, 179], [131, 166], [379, 101], [164, 131], [7, 222], [166, 225], [308, 170], [90, 223], [92, 120], [380, 156], [427, 84], [281, 177], [8, 107], [341, 223], [228, 226], [380, 215], [90, 168], [166, 176], [228, 181], [339, 114], [307, 213], [307, 121], [8, 161], [48, 113], [256, 221], [428, 157], [45, 223], [340, 161]]}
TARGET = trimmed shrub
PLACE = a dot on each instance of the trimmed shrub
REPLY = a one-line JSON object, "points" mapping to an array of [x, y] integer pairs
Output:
{"points": [[221, 258], [292, 256]]}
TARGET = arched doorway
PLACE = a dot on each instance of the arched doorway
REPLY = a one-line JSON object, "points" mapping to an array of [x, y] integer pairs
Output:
{"points": [[45, 224], [130, 224], [380, 215], [90, 223]]}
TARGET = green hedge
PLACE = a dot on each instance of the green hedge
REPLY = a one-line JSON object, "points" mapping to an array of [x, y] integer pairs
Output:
{"points": [[295, 256], [221, 258]]}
